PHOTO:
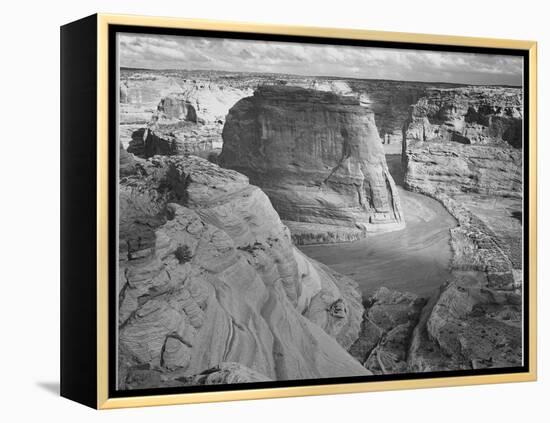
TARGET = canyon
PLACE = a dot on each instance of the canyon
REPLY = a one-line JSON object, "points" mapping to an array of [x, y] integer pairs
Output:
{"points": [[208, 275], [337, 227], [318, 157]]}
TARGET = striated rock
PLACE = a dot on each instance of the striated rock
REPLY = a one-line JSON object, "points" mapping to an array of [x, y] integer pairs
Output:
{"points": [[168, 139], [318, 157], [468, 115], [209, 101], [139, 95], [456, 168], [464, 148], [465, 140], [390, 101], [209, 275], [479, 324]]}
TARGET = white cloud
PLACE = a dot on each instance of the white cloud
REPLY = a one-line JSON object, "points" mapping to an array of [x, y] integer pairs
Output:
{"points": [[186, 52]]}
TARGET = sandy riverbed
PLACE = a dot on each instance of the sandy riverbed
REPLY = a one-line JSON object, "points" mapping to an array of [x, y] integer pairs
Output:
{"points": [[414, 259]]}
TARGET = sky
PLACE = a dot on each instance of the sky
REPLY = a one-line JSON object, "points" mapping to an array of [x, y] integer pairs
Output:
{"points": [[187, 52]]}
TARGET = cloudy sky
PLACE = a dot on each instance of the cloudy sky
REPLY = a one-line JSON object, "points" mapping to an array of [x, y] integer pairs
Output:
{"points": [[183, 52]]}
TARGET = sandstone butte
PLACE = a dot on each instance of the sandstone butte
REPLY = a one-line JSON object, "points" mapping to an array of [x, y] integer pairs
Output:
{"points": [[212, 289], [318, 157]]}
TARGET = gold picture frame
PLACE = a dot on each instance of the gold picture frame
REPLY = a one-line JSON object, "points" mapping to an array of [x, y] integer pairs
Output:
{"points": [[101, 23]]}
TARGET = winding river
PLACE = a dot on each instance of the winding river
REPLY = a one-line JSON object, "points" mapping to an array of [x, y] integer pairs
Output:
{"points": [[415, 259]]}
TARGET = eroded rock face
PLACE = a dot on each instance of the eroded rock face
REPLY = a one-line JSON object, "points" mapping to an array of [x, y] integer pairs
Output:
{"points": [[469, 115], [318, 157], [222, 374], [390, 101], [388, 324], [187, 118], [469, 325], [465, 140], [208, 274], [463, 147], [475, 321]]}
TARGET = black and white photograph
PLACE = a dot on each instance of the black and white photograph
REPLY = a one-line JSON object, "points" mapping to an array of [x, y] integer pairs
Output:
{"points": [[300, 211], [287, 212]]}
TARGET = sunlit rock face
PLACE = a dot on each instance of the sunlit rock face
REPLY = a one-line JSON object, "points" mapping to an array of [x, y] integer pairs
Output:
{"points": [[463, 147], [208, 275], [174, 115], [465, 140], [318, 157]]}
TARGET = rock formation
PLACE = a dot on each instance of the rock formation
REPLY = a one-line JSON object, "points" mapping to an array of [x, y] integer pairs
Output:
{"points": [[464, 148], [465, 140], [208, 275], [318, 157], [475, 320], [390, 101], [222, 374], [388, 324], [212, 289], [139, 95], [188, 121]]}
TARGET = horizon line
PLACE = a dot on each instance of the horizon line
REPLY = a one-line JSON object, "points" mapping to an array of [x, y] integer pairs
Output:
{"points": [[319, 76]]}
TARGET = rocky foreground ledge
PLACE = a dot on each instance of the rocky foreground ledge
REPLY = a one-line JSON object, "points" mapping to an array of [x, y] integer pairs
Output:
{"points": [[318, 157], [209, 275]]}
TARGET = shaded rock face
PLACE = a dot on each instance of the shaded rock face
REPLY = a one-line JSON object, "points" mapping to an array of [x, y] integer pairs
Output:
{"points": [[208, 275], [465, 140], [318, 157], [455, 168], [386, 331]]}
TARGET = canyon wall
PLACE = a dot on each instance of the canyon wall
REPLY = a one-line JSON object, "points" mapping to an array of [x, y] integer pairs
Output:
{"points": [[212, 289], [463, 146], [318, 157], [171, 115], [465, 140]]}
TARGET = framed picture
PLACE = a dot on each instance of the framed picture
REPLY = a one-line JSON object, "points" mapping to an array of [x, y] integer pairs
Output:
{"points": [[254, 211]]}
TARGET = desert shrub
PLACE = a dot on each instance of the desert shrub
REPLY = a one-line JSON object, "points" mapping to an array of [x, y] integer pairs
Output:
{"points": [[183, 254]]}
